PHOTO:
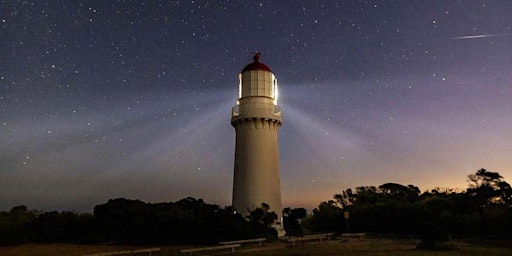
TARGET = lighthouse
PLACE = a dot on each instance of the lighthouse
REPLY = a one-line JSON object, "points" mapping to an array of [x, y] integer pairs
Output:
{"points": [[257, 119]]}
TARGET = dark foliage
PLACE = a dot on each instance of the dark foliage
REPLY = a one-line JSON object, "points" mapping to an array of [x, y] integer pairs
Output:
{"points": [[15, 226], [124, 221], [261, 220], [188, 221], [292, 221], [484, 210]]}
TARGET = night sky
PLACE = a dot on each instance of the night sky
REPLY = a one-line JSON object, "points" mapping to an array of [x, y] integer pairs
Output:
{"points": [[107, 99]]}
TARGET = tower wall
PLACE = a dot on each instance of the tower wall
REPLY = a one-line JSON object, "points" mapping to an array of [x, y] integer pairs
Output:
{"points": [[256, 178]]}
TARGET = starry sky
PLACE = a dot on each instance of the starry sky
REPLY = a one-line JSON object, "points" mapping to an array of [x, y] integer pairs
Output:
{"points": [[107, 99]]}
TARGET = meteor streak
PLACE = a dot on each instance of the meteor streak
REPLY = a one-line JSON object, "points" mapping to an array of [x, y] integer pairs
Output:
{"points": [[478, 36]]}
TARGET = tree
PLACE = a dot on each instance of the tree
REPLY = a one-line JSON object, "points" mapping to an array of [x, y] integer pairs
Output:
{"points": [[436, 215], [506, 192], [327, 217], [345, 199], [262, 215], [396, 191], [262, 219], [16, 226], [121, 220], [489, 188], [292, 219]]}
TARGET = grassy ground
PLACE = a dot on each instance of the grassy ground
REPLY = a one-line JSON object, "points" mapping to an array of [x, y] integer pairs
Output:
{"points": [[378, 247], [61, 249], [373, 247]]}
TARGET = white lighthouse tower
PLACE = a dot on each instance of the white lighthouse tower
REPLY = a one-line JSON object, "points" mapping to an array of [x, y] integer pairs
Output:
{"points": [[256, 119]]}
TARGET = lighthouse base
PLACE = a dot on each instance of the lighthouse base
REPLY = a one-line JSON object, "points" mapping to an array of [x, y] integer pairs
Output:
{"points": [[280, 230]]}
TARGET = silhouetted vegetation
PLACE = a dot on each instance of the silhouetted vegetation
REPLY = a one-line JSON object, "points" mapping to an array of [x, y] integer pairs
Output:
{"points": [[261, 220], [183, 222], [123, 221], [292, 221], [484, 210]]}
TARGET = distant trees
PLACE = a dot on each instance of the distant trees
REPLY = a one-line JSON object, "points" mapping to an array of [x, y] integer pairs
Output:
{"points": [[67, 227], [262, 215], [124, 221], [489, 199], [20, 225], [15, 226], [261, 220], [373, 209], [488, 188], [292, 219], [484, 209], [186, 221], [327, 217]]}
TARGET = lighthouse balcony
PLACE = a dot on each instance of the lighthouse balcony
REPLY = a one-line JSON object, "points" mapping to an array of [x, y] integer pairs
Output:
{"points": [[255, 110]]}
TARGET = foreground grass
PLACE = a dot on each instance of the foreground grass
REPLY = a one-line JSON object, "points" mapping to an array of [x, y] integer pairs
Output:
{"points": [[60, 249], [373, 247], [378, 247]]}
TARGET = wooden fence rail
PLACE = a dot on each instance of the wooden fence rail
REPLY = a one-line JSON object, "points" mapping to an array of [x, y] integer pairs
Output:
{"points": [[211, 248], [148, 251], [256, 240]]}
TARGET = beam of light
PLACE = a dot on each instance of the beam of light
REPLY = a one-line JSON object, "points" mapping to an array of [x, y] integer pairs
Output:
{"points": [[478, 36], [148, 145], [329, 145]]}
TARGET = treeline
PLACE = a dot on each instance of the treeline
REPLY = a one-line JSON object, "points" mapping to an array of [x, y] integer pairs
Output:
{"points": [[123, 221], [483, 210]]}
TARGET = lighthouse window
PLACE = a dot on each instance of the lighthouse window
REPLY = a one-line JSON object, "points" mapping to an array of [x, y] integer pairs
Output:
{"points": [[240, 86], [275, 92], [272, 90]]}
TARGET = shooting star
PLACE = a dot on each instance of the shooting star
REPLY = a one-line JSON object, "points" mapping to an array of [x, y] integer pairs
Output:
{"points": [[479, 36]]}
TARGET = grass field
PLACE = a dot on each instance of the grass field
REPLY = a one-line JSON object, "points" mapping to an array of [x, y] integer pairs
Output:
{"points": [[378, 247], [373, 247]]}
